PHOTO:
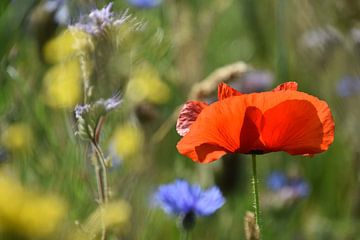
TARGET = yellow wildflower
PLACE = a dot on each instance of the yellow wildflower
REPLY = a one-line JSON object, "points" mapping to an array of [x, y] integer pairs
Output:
{"points": [[127, 140], [67, 44], [146, 84], [28, 213], [17, 137], [62, 85], [113, 214]]}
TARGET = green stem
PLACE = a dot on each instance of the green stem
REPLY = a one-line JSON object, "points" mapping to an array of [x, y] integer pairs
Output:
{"points": [[185, 235], [102, 184], [256, 193], [102, 175]]}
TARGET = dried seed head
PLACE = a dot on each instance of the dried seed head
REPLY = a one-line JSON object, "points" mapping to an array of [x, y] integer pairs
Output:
{"points": [[251, 228]]}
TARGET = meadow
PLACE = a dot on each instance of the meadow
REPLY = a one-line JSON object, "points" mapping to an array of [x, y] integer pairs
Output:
{"points": [[92, 145]]}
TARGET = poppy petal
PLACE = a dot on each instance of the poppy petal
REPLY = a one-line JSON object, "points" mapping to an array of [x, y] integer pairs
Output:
{"points": [[216, 128], [286, 86], [290, 121], [298, 124], [250, 131], [225, 91], [188, 115]]}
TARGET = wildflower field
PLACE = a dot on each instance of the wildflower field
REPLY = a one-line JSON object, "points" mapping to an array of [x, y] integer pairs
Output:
{"points": [[179, 119]]}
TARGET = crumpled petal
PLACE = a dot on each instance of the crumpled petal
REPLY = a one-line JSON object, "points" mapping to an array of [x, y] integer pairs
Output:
{"points": [[215, 131], [188, 115]]}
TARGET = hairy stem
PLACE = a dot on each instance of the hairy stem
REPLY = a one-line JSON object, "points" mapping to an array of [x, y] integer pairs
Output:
{"points": [[101, 174], [256, 193], [102, 183]]}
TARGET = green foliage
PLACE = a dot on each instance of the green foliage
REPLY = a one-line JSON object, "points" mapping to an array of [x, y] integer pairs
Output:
{"points": [[182, 42]]}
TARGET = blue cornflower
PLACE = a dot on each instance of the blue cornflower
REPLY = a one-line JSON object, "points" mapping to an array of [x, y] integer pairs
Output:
{"points": [[288, 187], [276, 181], [299, 187], [188, 201], [144, 3]]}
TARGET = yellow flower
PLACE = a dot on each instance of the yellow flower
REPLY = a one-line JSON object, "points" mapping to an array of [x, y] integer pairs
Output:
{"points": [[127, 140], [67, 44], [110, 215], [145, 84], [17, 137], [62, 85], [28, 213]]}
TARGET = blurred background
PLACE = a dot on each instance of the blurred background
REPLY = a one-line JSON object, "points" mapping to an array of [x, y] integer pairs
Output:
{"points": [[165, 53]]}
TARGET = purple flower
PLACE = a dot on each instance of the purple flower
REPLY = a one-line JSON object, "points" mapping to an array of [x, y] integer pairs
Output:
{"points": [[99, 20], [299, 187], [348, 86], [288, 187], [180, 198], [254, 81], [276, 181], [144, 3], [257, 81], [80, 110], [110, 103]]}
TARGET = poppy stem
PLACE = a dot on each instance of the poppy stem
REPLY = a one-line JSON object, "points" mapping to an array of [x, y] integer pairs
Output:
{"points": [[185, 235], [256, 193]]}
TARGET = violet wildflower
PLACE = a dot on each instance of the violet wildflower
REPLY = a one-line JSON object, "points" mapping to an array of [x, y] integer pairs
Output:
{"points": [[89, 116], [276, 181], [299, 187], [284, 191], [98, 21], [110, 103], [144, 3], [188, 201], [80, 110], [289, 188], [348, 86], [256, 81]]}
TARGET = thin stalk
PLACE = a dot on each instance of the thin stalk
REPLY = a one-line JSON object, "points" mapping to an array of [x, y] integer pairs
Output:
{"points": [[102, 183], [102, 174], [185, 235], [256, 193]]}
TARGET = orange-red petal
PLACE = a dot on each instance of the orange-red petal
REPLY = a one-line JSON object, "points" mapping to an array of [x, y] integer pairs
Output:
{"points": [[225, 91], [217, 126], [286, 86], [295, 122], [290, 121], [293, 126]]}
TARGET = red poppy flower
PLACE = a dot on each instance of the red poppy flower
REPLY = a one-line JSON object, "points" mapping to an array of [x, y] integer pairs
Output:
{"points": [[281, 120]]}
